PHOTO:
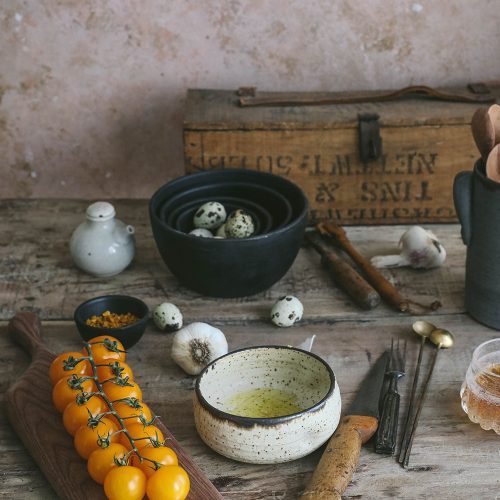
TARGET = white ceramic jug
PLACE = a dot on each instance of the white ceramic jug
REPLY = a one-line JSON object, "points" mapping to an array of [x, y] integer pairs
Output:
{"points": [[102, 245]]}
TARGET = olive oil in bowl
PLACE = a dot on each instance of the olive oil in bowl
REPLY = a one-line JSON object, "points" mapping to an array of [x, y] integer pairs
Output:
{"points": [[263, 402]]}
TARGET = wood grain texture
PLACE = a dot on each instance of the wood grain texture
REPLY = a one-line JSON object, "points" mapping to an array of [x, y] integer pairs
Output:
{"points": [[225, 114], [31, 412], [451, 459], [424, 144], [449, 452], [37, 273], [410, 182]]}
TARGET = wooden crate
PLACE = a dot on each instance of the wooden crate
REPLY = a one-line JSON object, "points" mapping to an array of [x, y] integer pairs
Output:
{"points": [[425, 143]]}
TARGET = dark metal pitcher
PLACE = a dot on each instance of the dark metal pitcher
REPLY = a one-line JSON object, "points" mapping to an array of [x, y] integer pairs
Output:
{"points": [[477, 202]]}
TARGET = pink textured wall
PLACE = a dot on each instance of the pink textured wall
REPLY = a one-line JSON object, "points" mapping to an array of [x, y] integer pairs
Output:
{"points": [[91, 91]]}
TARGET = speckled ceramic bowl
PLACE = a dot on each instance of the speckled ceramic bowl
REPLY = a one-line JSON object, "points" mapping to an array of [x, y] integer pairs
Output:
{"points": [[267, 440]]}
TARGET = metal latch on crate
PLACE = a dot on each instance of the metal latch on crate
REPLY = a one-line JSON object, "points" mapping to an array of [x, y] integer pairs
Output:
{"points": [[370, 142]]}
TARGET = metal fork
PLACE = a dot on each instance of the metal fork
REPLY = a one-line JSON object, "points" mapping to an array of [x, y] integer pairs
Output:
{"points": [[388, 425]]}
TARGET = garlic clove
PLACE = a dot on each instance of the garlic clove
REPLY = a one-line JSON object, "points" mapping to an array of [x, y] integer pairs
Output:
{"points": [[382, 261], [420, 249], [197, 345]]}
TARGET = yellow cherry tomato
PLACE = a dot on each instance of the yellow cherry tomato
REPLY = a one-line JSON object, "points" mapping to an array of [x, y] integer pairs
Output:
{"points": [[161, 454], [125, 483], [63, 393], [170, 482], [57, 371], [102, 460], [127, 412], [114, 368], [115, 391], [139, 432], [101, 353], [87, 440], [75, 415]]}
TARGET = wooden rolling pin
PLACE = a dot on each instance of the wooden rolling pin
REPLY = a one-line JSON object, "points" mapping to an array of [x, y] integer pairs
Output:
{"points": [[344, 275]]}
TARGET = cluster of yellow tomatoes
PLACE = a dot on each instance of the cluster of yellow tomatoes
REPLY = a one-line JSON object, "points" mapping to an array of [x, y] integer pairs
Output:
{"points": [[107, 449]]}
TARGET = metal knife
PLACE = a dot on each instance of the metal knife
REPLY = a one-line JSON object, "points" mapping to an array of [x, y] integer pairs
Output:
{"points": [[339, 460]]}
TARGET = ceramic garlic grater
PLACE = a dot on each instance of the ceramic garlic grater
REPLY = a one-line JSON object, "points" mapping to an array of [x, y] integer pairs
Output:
{"points": [[102, 245]]}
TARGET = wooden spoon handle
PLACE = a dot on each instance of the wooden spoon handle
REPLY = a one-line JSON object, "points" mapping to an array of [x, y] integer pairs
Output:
{"points": [[340, 458], [493, 164], [24, 329]]}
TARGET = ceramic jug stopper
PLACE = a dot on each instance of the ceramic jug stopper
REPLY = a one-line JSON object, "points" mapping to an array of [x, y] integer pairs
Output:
{"points": [[100, 211]]}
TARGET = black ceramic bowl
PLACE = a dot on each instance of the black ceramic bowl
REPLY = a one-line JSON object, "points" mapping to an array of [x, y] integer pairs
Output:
{"points": [[230, 267], [119, 304]]}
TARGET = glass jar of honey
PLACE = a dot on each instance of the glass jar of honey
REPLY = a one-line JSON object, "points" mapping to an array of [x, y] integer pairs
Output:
{"points": [[480, 391]]}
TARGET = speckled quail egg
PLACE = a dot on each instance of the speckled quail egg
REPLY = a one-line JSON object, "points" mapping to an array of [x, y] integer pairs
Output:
{"points": [[239, 224], [203, 233], [210, 215], [221, 232], [286, 311], [167, 317]]}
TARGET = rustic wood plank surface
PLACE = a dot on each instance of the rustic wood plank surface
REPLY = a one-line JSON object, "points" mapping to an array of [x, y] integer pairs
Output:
{"points": [[452, 458]]}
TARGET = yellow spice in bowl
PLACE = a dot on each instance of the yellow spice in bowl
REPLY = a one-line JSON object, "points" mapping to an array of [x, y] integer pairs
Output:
{"points": [[111, 320]]}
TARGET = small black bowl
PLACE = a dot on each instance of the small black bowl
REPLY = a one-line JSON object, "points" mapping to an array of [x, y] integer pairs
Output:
{"points": [[119, 304]]}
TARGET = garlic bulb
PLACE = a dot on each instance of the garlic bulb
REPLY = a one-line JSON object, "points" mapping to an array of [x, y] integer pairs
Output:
{"points": [[197, 345], [420, 249]]}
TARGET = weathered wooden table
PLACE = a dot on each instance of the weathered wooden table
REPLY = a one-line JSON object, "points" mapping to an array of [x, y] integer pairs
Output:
{"points": [[452, 458]]}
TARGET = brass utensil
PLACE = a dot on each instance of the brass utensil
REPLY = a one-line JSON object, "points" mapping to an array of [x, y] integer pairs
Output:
{"points": [[442, 339], [423, 329]]}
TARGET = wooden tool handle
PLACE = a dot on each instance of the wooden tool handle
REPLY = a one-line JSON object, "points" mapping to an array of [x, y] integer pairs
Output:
{"points": [[339, 460], [345, 276], [24, 329]]}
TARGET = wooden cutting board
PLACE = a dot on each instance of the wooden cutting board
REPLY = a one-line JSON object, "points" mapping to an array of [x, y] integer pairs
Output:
{"points": [[30, 410]]}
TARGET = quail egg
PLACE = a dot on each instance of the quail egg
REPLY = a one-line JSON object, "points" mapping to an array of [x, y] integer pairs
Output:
{"points": [[203, 233], [286, 311], [167, 317], [210, 215], [239, 224], [221, 232]]}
